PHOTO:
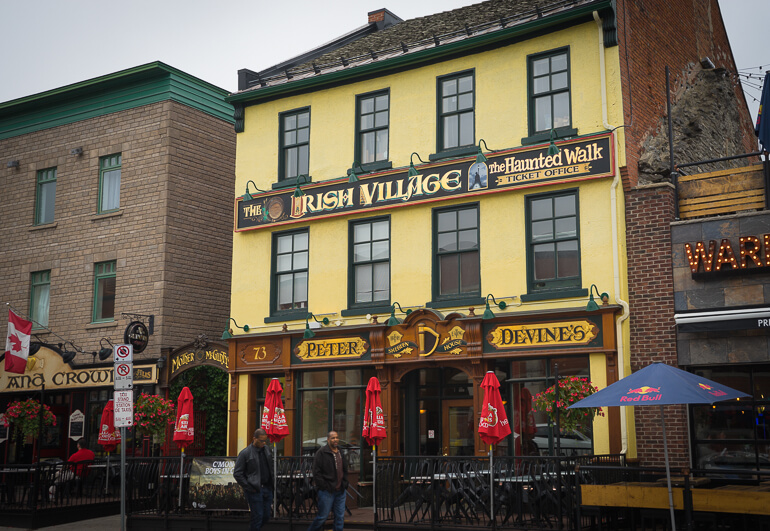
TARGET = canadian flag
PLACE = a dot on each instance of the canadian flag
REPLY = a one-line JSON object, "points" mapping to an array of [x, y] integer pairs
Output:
{"points": [[17, 343]]}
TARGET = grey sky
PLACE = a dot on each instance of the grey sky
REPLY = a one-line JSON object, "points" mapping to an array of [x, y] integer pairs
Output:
{"points": [[46, 44]]}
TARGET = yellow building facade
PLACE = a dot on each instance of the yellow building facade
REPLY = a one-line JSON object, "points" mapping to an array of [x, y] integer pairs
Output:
{"points": [[337, 226]]}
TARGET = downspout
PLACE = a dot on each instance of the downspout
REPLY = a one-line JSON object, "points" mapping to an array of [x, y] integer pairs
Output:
{"points": [[616, 243]]}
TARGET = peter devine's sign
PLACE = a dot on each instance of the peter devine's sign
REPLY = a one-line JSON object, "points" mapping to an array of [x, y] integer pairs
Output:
{"points": [[513, 169]]}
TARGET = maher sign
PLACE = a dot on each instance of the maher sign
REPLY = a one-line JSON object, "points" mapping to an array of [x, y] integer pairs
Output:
{"points": [[584, 158]]}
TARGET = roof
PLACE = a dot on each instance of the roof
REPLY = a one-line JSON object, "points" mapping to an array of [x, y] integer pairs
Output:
{"points": [[422, 39], [125, 89]]}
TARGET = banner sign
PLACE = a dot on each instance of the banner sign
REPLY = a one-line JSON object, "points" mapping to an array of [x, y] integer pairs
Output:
{"points": [[512, 169], [212, 485]]}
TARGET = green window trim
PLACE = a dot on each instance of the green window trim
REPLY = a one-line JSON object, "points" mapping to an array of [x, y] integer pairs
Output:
{"points": [[294, 144], [553, 243], [549, 91], [290, 263], [372, 145], [455, 111], [105, 277], [39, 298], [45, 196], [110, 168], [456, 253], [369, 246]]}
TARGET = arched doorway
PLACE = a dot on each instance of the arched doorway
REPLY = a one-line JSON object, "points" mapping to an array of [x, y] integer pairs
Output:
{"points": [[437, 405]]}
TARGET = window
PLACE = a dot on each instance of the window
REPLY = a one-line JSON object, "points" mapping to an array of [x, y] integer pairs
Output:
{"points": [[455, 113], [104, 292], [46, 196], [109, 183], [39, 300], [295, 144], [553, 241], [372, 124], [370, 259], [549, 92], [290, 271], [334, 400], [456, 236]]}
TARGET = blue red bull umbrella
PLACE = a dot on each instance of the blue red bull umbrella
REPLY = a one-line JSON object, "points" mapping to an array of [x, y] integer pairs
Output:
{"points": [[659, 384]]}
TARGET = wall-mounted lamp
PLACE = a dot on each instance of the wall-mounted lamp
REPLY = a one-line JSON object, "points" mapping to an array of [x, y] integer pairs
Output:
{"points": [[393, 320], [309, 334], [12, 164], [488, 313], [480, 155], [67, 355], [553, 149], [161, 362], [352, 172], [412, 170], [247, 196], [76, 151], [228, 333], [105, 352], [592, 306], [298, 191]]}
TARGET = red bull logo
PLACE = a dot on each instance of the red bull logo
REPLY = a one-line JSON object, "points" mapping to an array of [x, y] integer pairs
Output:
{"points": [[643, 394], [711, 390]]}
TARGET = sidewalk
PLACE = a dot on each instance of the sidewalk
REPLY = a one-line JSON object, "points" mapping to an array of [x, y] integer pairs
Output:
{"points": [[108, 523]]}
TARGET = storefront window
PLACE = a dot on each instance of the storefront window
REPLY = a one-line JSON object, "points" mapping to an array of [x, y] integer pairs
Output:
{"points": [[533, 434], [734, 434], [334, 400]]}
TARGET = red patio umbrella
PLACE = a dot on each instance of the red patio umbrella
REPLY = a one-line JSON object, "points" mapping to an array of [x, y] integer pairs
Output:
{"points": [[274, 423], [184, 429], [374, 428], [493, 425], [273, 415], [109, 437]]}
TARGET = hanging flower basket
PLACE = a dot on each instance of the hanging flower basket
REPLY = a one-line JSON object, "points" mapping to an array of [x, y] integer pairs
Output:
{"points": [[24, 416], [152, 415], [571, 390]]}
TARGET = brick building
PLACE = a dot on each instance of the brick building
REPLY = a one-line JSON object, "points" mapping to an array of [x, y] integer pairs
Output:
{"points": [[112, 191]]}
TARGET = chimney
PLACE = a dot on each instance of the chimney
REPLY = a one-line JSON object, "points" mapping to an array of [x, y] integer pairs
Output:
{"points": [[383, 18]]}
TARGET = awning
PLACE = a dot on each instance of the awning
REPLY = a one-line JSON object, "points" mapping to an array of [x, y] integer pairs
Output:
{"points": [[723, 319]]}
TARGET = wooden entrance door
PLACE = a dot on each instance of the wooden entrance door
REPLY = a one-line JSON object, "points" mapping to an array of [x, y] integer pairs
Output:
{"points": [[458, 426]]}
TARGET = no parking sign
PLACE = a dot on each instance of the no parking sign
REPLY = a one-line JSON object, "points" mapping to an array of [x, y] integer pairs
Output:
{"points": [[124, 367]]}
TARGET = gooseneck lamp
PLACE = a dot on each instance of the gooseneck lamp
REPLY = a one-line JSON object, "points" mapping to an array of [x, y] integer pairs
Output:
{"points": [[488, 313], [228, 333], [412, 170], [309, 334], [393, 320], [592, 306], [247, 196], [298, 191]]}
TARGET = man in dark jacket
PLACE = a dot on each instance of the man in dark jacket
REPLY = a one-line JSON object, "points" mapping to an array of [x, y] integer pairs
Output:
{"points": [[330, 474], [253, 472]]}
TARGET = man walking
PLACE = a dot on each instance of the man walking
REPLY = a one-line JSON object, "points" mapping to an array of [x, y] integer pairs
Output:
{"points": [[252, 472], [330, 474]]}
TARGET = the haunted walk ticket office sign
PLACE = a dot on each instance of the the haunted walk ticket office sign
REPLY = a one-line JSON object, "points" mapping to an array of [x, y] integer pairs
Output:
{"points": [[509, 170]]}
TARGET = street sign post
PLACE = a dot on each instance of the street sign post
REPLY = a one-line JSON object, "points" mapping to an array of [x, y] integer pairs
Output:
{"points": [[124, 376], [124, 409]]}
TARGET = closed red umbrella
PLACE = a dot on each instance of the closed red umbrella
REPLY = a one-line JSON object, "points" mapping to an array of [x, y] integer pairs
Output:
{"points": [[274, 423], [374, 429], [184, 429], [109, 437], [374, 421], [273, 415], [493, 425]]}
